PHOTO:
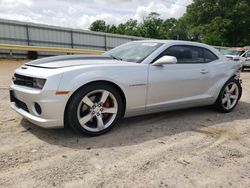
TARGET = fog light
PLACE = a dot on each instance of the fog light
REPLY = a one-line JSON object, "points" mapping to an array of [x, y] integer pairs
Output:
{"points": [[38, 108]]}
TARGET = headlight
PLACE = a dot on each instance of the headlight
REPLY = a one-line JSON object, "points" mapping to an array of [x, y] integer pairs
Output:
{"points": [[38, 82]]}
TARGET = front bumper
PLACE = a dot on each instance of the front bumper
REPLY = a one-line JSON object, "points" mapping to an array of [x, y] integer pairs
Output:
{"points": [[246, 64], [52, 106]]}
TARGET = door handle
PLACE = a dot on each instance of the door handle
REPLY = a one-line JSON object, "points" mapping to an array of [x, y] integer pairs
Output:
{"points": [[203, 71]]}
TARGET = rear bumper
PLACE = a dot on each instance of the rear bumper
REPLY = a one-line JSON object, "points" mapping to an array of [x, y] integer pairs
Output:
{"points": [[52, 106]]}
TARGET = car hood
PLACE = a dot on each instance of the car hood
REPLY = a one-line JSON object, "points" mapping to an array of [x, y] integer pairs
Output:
{"points": [[72, 60]]}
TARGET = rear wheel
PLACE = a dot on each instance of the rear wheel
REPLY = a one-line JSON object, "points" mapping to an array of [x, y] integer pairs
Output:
{"points": [[94, 109], [229, 96]]}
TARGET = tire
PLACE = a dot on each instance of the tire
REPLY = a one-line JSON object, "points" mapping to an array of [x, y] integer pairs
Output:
{"points": [[228, 97], [94, 109]]}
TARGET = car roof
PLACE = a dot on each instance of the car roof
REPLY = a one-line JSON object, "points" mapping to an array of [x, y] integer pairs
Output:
{"points": [[183, 42], [176, 42]]}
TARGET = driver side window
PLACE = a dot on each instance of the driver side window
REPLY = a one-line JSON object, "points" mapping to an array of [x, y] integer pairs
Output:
{"points": [[186, 54]]}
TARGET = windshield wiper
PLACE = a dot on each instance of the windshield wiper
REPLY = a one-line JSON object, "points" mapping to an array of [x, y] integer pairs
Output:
{"points": [[116, 58]]}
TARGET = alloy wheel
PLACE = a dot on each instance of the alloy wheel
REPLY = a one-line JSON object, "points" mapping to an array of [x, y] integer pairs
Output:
{"points": [[230, 95], [97, 110]]}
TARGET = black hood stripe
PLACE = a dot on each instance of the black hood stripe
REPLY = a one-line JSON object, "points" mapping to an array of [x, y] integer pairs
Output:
{"points": [[67, 57]]}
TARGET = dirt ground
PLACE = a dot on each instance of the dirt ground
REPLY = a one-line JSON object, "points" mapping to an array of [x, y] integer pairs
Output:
{"points": [[188, 148]]}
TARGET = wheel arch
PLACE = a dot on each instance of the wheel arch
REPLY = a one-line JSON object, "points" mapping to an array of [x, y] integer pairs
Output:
{"points": [[118, 88]]}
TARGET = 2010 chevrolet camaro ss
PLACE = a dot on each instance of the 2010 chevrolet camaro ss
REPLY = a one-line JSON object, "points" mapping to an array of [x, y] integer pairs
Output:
{"points": [[92, 93]]}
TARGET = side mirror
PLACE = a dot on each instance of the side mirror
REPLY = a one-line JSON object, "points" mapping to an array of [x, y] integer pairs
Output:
{"points": [[165, 60], [248, 54]]}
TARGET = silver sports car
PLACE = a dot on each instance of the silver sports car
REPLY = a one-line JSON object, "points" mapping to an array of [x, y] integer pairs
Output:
{"points": [[92, 93]]}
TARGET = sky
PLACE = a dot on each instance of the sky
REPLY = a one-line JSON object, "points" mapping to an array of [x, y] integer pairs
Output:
{"points": [[81, 13]]}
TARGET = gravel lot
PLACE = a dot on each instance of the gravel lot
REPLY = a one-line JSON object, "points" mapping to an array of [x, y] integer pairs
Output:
{"points": [[188, 148]]}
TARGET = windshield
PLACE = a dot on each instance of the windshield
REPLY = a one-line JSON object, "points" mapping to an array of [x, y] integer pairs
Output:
{"points": [[234, 52], [133, 51]]}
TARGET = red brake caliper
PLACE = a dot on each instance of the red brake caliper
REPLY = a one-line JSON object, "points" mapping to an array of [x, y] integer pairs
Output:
{"points": [[106, 104]]}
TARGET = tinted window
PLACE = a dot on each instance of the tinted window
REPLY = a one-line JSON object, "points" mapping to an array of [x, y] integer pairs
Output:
{"points": [[209, 56], [186, 54]]}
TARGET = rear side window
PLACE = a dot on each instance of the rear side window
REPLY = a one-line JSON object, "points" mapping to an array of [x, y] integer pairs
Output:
{"points": [[209, 56], [186, 54]]}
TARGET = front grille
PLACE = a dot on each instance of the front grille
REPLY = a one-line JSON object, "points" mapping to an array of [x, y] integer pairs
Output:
{"points": [[23, 80], [21, 104]]}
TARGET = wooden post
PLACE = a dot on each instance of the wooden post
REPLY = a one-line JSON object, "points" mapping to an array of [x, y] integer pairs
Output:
{"points": [[27, 35], [11, 54], [72, 39]]}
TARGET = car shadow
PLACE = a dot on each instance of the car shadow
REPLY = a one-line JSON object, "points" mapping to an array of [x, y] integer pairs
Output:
{"points": [[140, 129]]}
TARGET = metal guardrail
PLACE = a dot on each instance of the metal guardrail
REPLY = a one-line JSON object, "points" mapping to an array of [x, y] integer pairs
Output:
{"points": [[31, 34], [12, 47]]}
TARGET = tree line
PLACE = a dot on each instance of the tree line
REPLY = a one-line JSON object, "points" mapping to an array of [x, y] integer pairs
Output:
{"points": [[215, 22]]}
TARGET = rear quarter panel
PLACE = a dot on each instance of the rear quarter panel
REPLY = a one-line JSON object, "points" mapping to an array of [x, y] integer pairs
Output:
{"points": [[221, 72]]}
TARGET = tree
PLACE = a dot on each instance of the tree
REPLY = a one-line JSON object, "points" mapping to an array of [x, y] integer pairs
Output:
{"points": [[215, 22], [131, 27], [167, 27], [151, 26], [219, 22], [111, 29], [98, 25], [180, 31], [121, 29]]}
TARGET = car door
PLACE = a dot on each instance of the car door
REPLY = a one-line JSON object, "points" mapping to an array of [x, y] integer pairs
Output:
{"points": [[181, 84]]}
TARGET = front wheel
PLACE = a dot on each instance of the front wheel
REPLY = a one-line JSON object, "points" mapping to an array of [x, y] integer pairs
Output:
{"points": [[229, 96], [94, 109]]}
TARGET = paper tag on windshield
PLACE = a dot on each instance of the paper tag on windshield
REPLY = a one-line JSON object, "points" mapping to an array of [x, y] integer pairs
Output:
{"points": [[149, 44]]}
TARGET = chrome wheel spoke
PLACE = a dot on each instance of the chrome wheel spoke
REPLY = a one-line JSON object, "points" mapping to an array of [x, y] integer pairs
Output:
{"points": [[112, 110], [234, 97], [227, 89], [85, 119], [228, 103], [232, 88], [104, 97], [224, 100], [87, 101], [100, 124]]}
